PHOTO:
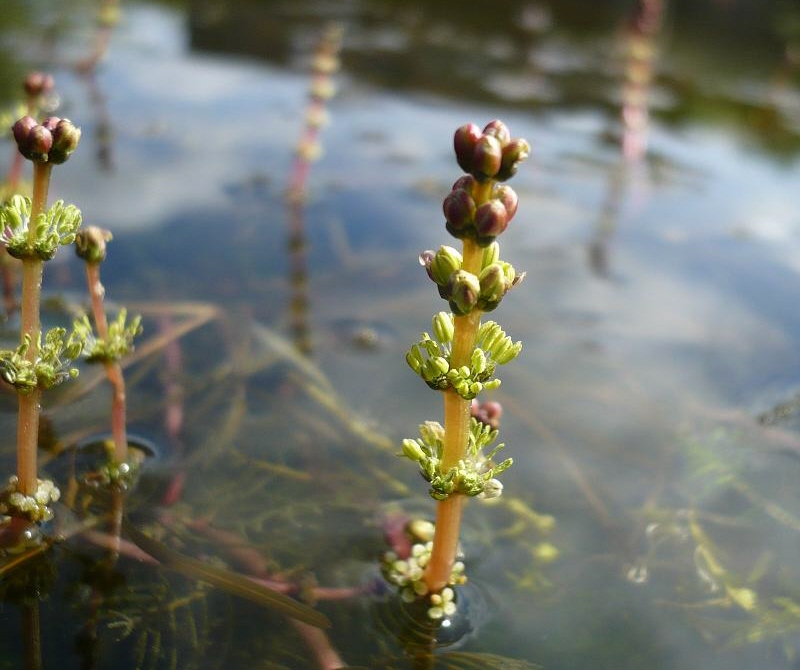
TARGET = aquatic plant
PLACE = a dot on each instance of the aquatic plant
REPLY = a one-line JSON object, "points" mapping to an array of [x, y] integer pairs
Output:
{"points": [[108, 343], [460, 359], [32, 233]]}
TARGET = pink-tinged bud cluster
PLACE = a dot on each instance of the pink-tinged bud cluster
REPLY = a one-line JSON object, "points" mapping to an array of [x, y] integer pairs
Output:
{"points": [[482, 223], [38, 83], [489, 153], [51, 141]]}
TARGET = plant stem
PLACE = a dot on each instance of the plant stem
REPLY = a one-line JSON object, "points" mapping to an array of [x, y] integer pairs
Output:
{"points": [[113, 369], [29, 404], [456, 439]]}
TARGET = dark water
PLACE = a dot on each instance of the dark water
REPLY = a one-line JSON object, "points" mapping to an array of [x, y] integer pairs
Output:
{"points": [[653, 413]]}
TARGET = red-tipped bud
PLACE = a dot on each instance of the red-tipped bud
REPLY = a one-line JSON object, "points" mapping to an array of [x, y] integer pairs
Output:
{"points": [[459, 210], [491, 219], [38, 83], [499, 130], [22, 129], [464, 142], [487, 158], [508, 197], [514, 153], [65, 140], [51, 122], [466, 183], [34, 141]]}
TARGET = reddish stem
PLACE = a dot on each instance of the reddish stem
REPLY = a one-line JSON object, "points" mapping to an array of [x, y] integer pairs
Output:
{"points": [[113, 369]]}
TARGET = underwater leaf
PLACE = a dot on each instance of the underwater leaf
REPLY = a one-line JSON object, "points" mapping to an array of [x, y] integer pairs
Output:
{"points": [[226, 580]]}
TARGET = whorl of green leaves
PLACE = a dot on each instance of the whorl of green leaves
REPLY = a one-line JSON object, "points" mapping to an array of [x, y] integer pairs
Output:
{"points": [[53, 228]]}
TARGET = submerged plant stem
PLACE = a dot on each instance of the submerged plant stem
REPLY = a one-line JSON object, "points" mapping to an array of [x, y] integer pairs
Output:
{"points": [[112, 368], [456, 439], [29, 404]]}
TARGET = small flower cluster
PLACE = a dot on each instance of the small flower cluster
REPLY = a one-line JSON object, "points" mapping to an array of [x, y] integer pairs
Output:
{"points": [[490, 153], [51, 141], [476, 475], [463, 290], [33, 507], [52, 364], [407, 574], [119, 342], [53, 228], [111, 473], [431, 358]]}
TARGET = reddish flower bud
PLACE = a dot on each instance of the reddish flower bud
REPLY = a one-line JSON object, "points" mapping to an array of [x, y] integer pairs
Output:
{"points": [[459, 210], [22, 129], [466, 183], [464, 142], [491, 219], [508, 197], [514, 153], [51, 122], [34, 141], [38, 83], [487, 158], [499, 130], [65, 140]]}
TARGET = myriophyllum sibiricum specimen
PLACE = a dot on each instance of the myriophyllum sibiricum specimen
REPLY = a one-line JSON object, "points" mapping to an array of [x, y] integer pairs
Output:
{"points": [[107, 344], [32, 232], [460, 358]]}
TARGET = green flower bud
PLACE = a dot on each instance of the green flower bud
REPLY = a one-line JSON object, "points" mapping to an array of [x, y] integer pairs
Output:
{"points": [[478, 361], [445, 262], [491, 254], [412, 450], [494, 285], [487, 158], [90, 244], [507, 352], [514, 153], [464, 142], [443, 327], [414, 359], [432, 434]]}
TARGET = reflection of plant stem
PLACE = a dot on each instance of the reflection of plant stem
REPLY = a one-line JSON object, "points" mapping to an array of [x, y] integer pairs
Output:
{"points": [[29, 404], [32, 636]]}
